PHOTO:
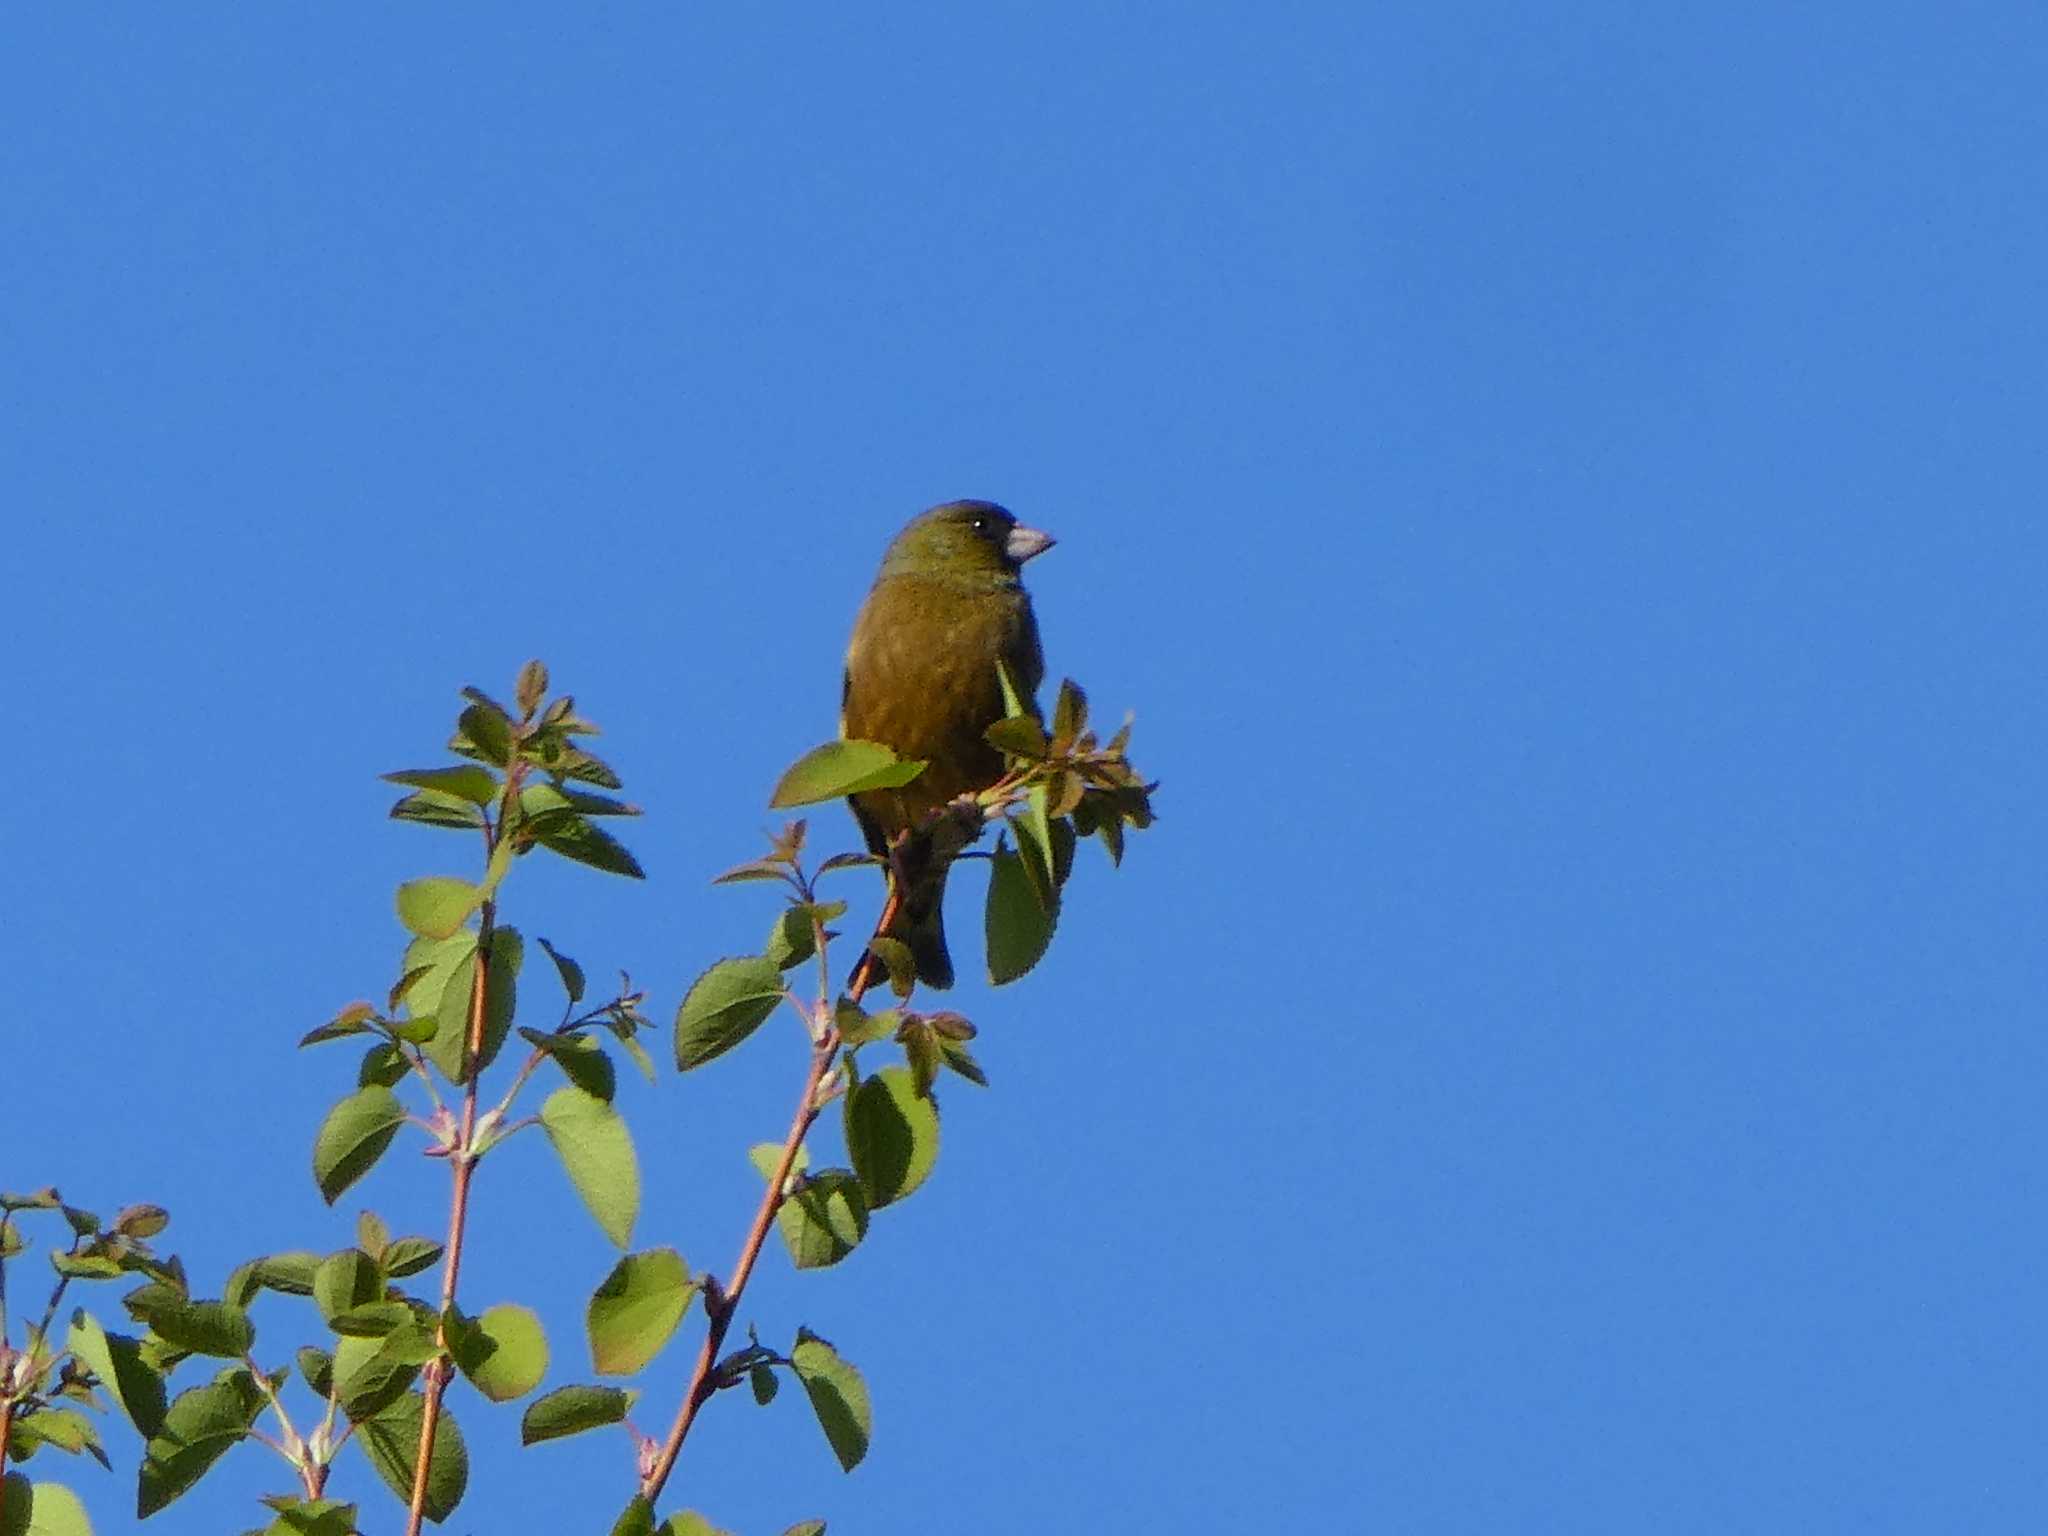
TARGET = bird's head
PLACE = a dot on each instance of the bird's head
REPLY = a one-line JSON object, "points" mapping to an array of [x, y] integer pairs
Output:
{"points": [[975, 541]]}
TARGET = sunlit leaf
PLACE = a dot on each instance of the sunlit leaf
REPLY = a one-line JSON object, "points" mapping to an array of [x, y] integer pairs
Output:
{"points": [[838, 1396], [434, 907], [724, 1006], [197, 1430], [353, 1136], [892, 1133], [637, 1309], [504, 1353], [572, 1410], [597, 1152], [842, 768]]}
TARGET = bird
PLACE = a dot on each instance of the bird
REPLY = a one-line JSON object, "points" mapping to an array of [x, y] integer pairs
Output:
{"points": [[921, 679]]}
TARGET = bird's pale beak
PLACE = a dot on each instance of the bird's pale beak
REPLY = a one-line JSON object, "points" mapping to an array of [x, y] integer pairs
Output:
{"points": [[1024, 542]]}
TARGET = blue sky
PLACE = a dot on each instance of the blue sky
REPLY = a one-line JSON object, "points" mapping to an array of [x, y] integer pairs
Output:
{"points": [[1562, 493]]}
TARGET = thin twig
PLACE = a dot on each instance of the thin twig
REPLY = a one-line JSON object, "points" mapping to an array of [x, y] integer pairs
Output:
{"points": [[721, 1303]]}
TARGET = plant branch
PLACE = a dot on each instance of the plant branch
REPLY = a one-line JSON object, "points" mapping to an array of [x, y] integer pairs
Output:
{"points": [[721, 1303], [464, 1165]]}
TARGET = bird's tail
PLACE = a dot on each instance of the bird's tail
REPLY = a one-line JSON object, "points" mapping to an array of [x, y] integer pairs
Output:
{"points": [[920, 920]]}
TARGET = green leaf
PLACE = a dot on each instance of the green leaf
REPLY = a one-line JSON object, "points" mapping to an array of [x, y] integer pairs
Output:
{"points": [[435, 907], [353, 1136], [371, 1320], [762, 1383], [1018, 736], [806, 1528], [724, 1006], [346, 1280], [582, 1060], [384, 1063], [427, 966], [596, 1150], [311, 1517], [317, 1366], [859, 1027], [1069, 710], [637, 1519], [65, 1429], [637, 1309], [483, 732], [431, 808], [767, 1155], [449, 1045], [143, 1221], [572, 1410], [368, 1377], [479, 786], [289, 1274], [842, 768], [823, 1218], [791, 940], [504, 1353], [1012, 703], [392, 1442], [838, 1396], [410, 1255], [40, 1509], [1033, 828], [196, 1432], [583, 842], [205, 1328], [893, 1135], [116, 1359], [638, 1054], [1019, 929], [690, 1523], [571, 972], [532, 687]]}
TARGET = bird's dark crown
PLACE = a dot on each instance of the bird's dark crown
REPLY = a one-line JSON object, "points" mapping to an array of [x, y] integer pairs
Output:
{"points": [[962, 540]]}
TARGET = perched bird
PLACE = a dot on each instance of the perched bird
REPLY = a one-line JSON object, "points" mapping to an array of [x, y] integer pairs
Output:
{"points": [[921, 679]]}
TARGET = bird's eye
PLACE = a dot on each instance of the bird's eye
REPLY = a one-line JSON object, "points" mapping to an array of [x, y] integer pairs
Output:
{"points": [[981, 525]]}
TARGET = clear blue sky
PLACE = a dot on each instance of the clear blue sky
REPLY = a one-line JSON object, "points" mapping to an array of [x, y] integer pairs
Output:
{"points": [[1561, 490]]}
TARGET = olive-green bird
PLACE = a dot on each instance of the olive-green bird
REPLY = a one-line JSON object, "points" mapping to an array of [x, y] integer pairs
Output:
{"points": [[921, 679]]}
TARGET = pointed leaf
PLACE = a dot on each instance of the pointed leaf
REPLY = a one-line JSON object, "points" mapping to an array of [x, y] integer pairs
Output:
{"points": [[392, 1442], [572, 1410], [479, 786], [571, 972], [838, 1396], [596, 1150], [116, 1360], [841, 768], [353, 1136], [1019, 929], [199, 1428], [204, 1328], [823, 1219], [448, 1049], [724, 1006]]}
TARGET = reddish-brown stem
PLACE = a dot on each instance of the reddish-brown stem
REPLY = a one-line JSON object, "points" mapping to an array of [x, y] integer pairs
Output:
{"points": [[441, 1367], [721, 1303], [6, 1429]]}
